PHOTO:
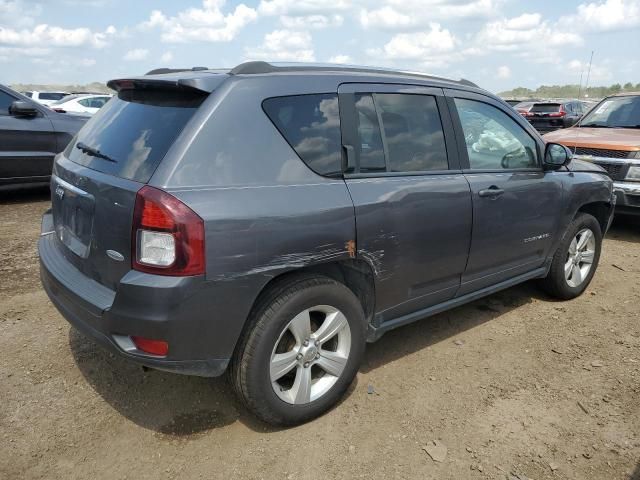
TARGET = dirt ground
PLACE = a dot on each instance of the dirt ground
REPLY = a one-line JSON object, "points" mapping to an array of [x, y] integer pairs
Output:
{"points": [[513, 386]]}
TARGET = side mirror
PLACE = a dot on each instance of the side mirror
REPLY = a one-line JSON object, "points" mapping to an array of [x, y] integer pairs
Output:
{"points": [[20, 108], [556, 156]]}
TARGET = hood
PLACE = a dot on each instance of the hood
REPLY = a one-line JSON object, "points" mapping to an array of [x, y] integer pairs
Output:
{"points": [[576, 165], [627, 139]]}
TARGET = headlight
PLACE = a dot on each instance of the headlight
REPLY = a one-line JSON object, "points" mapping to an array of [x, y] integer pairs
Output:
{"points": [[633, 174]]}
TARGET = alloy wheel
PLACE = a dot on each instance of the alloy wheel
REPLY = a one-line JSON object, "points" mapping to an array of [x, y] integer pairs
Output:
{"points": [[310, 354], [580, 257]]}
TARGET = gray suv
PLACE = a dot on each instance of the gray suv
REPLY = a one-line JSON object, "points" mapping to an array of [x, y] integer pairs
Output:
{"points": [[271, 219]]}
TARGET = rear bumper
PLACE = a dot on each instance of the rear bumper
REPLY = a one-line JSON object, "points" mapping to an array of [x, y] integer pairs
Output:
{"points": [[167, 308], [628, 197]]}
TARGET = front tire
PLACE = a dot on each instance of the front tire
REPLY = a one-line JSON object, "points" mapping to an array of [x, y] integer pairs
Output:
{"points": [[301, 352], [576, 259]]}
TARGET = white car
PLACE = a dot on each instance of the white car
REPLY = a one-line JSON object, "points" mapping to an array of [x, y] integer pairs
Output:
{"points": [[80, 103], [46, 98]]}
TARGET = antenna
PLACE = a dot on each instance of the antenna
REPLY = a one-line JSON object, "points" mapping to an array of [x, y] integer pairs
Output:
{"points": [[586, 86]]}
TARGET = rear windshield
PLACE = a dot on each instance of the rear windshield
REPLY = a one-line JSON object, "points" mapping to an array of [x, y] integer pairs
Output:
{"points": [[51, 95], [134, 132], [545, 107]]}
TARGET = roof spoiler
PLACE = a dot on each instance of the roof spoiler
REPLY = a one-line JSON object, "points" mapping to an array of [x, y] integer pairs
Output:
{"points": [[205, 83]]}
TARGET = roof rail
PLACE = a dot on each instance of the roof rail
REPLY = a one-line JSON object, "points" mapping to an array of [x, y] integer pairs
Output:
{"points": [[159, 71], [258, 67]]}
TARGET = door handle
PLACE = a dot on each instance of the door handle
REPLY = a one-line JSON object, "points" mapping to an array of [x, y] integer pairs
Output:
{"points": [[491, 192]]}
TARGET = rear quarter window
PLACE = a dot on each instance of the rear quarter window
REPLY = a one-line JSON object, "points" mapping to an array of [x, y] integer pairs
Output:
{"points": [[311, 125]]}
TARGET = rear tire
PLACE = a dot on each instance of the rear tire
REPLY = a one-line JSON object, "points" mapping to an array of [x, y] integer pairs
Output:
{"points": [[301, 352], [576, 259]]}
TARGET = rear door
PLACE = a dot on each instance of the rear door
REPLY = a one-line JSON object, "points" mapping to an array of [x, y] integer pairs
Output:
{"points": [[515, 202], [27, 144], [412, 203], [97, 177]]}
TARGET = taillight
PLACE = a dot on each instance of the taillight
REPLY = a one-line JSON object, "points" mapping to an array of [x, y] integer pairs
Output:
{"points": [[167, 236], [560, 113]]}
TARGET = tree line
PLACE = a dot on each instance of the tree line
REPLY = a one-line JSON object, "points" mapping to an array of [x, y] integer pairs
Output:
{"points": [[569, 91]]}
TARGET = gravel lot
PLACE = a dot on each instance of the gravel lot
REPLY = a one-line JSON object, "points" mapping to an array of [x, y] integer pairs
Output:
{"points": [[511, 386]]}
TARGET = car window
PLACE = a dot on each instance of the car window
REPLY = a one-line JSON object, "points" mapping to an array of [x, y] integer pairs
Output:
{"points": [[135, 131], [371, 150], [493, 139], [568, 107], [85, 102], [5, 102], [51, 95], [311, 125], [413, 132], [98, 102]]}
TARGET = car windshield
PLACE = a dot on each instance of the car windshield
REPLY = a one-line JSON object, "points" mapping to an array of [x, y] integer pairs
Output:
{"points": [[615, 112]]}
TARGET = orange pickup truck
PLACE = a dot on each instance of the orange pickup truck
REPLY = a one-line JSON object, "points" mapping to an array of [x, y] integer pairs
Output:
{"points": [[609, 135]]}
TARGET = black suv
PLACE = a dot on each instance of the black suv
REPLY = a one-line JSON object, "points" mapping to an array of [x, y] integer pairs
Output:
{"points": [[30, 136], [550, 116], [272, 219]]}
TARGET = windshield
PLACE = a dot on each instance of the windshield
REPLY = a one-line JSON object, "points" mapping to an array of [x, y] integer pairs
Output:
{"points": [[614, 112], [130, 135]]}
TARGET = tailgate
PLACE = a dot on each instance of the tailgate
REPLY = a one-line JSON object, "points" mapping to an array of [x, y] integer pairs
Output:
{"points": [[92, 214]]}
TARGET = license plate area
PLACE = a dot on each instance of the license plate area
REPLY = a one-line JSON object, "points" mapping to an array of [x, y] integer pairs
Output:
{"points": [[73, 212]]}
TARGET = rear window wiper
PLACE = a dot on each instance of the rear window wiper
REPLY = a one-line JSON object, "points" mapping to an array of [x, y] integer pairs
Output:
{"points": [[94, 152]]}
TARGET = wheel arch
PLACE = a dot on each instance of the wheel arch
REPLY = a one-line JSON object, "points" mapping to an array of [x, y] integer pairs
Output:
{"points": [[600, 210], [355, 274]]}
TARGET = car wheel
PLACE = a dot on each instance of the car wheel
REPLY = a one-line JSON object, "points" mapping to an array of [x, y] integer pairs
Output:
{"points": [[301, 352], [576, 259]]}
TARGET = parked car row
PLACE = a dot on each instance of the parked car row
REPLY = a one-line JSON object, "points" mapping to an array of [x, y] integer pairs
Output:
{"points": [[63, 102]]}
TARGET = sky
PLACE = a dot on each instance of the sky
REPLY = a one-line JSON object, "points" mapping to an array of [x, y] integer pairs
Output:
{"points": [[498, 44]]}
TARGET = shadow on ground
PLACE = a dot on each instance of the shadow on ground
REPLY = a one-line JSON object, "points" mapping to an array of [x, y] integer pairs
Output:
{"points": [[626, 229], [181, 406], [24, 194], [636, 473]]}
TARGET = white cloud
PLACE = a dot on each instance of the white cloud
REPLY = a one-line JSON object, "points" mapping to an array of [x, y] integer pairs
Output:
{"points": [[136, 54], [166, 57], [302, 7], [311, 21], [527, 31], [284, 45], [419, 45], [606, 16], [44, 35], [410, 14], [87, 62], [599, 72], [503, 72], [18, 13], [340, 59], [207, 24]]}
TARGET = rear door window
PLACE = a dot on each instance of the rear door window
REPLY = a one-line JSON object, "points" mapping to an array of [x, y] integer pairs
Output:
{"points": [[134, 132], [311, 125], [412, 137]]}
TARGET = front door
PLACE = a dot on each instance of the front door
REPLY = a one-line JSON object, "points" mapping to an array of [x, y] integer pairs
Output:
{"points": [[412, 202], [27, 144], [515, 202]]}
